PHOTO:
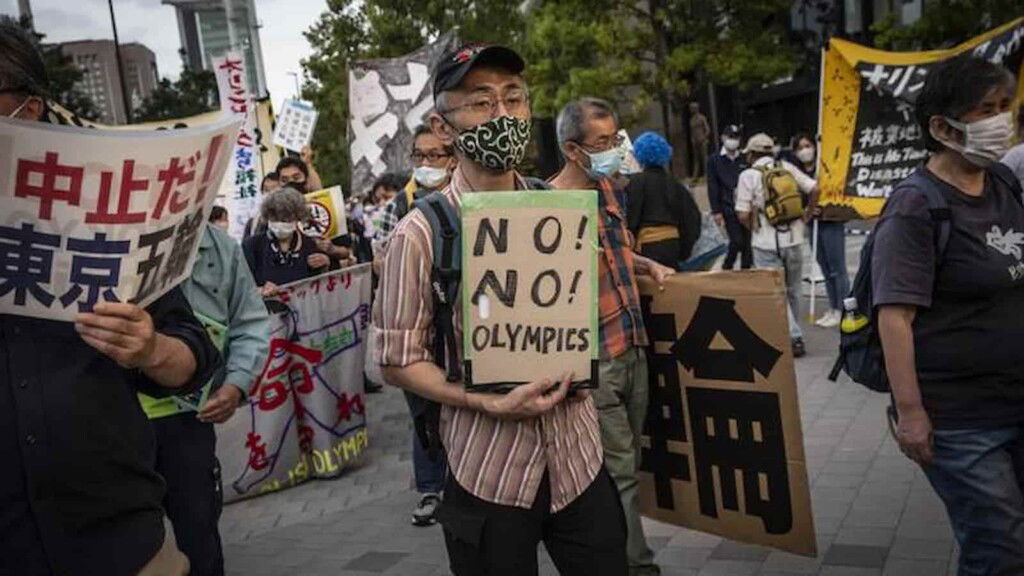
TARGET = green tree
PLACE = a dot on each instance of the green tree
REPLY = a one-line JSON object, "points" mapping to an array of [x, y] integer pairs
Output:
{"points": [[351, 30], [944, 23], [194, 92], [654, 49]]}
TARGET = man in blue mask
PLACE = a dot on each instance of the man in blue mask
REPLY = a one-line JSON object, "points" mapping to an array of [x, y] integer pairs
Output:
{"points": [[588, 136]]}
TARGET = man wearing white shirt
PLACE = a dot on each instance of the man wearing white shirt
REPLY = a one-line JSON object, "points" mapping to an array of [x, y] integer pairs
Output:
{"points": [[774, 246]]}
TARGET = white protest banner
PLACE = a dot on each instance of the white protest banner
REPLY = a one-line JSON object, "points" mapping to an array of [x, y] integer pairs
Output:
{"points": [[529, 279], [295, 125], [722, 450], [326, 214], [305, 416], [243, 179], [89, 215]]}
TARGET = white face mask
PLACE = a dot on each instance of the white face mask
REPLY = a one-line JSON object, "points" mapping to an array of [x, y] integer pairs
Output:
{"points": [[985, 141], [282, 230], [429, 177], [731, 144], [805, 155]]}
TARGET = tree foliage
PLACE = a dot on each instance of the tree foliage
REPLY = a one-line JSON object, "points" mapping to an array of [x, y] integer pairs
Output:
{"points": [[352, 30], [945, 23], [195, 92]]}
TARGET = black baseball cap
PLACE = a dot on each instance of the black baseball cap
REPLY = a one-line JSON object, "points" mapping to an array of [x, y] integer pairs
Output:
{"points": [[731, 130], [455, 64]]}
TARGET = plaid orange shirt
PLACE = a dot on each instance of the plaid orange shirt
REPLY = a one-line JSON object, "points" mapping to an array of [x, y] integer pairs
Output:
{"points": [[622, 322], [500, 461]]}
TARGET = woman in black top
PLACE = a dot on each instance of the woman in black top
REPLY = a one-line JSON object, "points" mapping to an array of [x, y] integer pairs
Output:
{"points": [[661, 213], [952, 324], [283, 254]]}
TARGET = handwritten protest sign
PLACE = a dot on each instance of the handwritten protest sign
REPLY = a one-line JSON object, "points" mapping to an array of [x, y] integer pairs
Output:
{"points": [[529, 281], [722, 450], [870, 140], [243, 181], [89, 215], [295, 126], [305, 416], [326, 214]]}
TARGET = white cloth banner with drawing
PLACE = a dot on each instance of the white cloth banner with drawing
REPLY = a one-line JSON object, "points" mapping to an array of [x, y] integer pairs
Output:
{"points": [[90, 215], [305, 417]]}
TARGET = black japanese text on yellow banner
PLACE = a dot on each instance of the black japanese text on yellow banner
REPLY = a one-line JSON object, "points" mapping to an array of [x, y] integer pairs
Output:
{"points": [[870, 139]]}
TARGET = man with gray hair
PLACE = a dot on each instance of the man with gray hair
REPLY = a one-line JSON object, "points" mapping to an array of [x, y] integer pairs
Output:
{"points": [[588, 136]]}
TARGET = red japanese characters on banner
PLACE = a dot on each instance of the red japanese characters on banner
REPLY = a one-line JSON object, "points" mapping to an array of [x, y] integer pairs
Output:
{"points": [[243, 179], [89, 214], [306, 417]]}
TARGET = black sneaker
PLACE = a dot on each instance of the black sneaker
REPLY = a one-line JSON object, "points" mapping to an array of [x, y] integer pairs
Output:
{"points": [[798, 348], [423, 515]]}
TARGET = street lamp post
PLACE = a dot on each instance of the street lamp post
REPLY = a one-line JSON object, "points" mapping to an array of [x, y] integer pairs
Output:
{"points": [[298, 89], [120, 67]]}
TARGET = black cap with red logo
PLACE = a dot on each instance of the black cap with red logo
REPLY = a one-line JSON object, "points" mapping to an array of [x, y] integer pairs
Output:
{"points": [[455, 64]]}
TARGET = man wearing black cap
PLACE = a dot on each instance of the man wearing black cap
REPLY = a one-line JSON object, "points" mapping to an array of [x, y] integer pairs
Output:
{"points": [[526, 466], [723, 174]]}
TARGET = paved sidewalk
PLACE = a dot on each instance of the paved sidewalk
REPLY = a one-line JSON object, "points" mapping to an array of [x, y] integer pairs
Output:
{"points": [[874, 511]]}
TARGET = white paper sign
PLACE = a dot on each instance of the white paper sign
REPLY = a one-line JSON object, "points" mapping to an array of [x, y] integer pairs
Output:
{"points": [[295, 125], [90, 215]]}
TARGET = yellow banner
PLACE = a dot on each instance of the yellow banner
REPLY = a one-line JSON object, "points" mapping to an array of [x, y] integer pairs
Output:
{"points": [[326, 213], [870, 140]]}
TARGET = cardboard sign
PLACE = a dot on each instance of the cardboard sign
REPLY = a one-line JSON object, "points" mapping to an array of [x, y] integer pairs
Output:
{"points": [[529, 284], [870, 139], [326, 214], [722, 450], [89, 215], [305, 417], [295, 125], [243, 179]]}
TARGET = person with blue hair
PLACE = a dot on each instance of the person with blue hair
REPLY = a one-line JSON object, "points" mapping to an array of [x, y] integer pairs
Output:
{"points": [[661, 212]]}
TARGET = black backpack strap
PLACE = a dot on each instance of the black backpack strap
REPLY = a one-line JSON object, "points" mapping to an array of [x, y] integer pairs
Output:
{"points": [[445, 276], [1005, 175], [941, 216]]}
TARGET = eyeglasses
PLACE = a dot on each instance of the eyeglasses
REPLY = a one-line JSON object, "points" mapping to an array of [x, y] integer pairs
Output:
{"points": [[604, 145], [515, 103], [417, 157]]}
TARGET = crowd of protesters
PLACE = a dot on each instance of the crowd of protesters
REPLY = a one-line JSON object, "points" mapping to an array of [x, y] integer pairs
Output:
{"points": [[567, 472]]}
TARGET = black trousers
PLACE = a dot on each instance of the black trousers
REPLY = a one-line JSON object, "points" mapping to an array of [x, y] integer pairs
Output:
{"points": [[586, 538], [739, 242], [186, 458]]}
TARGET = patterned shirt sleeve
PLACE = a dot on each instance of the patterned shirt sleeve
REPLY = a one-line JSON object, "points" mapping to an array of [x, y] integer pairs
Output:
{"points": [[403, 310]]}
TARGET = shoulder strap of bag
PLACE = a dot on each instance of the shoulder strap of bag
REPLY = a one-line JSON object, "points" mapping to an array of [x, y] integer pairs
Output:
{"points": [[941, 216], [445, 275], [1007, 177]]}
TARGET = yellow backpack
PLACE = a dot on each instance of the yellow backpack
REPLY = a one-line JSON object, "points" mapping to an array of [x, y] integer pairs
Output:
{"points": [[783, 202]]}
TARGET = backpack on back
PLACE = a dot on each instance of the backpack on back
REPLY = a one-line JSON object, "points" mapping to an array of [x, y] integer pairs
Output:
{"points": [[860, 347], [783, 202]]}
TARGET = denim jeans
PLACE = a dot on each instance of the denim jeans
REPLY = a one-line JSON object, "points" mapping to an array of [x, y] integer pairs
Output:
{"points": [[979, 474], [832, 260], [429, 474], [791, 261]]}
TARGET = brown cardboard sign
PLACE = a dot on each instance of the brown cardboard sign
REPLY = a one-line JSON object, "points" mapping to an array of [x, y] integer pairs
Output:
{"points": [[722, 450], [529, 285]]}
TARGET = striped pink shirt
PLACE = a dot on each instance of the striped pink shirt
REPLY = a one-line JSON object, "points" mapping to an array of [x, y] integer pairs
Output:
{"points": [[496, 460]]}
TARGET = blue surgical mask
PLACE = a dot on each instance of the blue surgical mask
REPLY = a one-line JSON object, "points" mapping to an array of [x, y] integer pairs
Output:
{"points": [[605, 164]]}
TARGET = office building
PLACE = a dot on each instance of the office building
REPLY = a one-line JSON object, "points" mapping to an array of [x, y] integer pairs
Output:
{"points": [[209, 28], [97, 59]]}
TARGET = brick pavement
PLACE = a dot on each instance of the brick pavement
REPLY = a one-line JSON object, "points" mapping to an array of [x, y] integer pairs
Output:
{"points": [[874, 512]]}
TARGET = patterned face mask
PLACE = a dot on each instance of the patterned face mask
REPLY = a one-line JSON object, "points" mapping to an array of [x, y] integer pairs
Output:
{"points": [[498, 144]]}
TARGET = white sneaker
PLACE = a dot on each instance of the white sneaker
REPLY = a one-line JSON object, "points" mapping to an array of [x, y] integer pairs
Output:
{"points": [[830, 319]]}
